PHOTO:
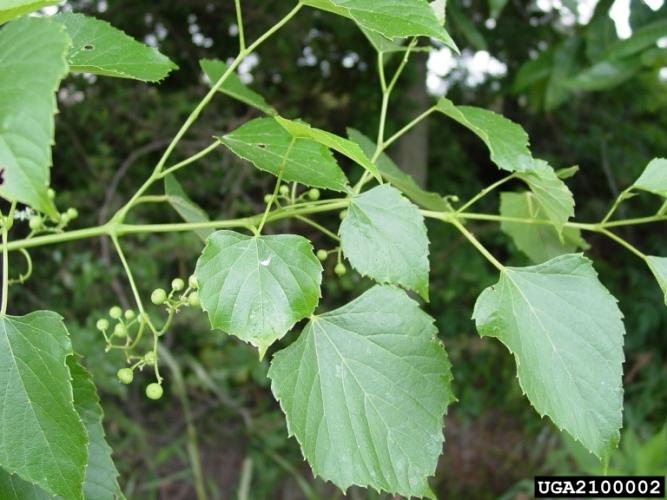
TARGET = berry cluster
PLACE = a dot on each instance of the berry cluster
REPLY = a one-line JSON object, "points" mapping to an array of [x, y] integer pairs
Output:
{"points": [[124, 330]]}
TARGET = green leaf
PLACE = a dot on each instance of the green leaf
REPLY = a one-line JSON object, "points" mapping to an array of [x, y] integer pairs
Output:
{"points": [[604, 75], [104, 50], [13, 487], [265, 143], [337, 143], [566, 333], [658, 266], [256, 288], [184, 206], [233, 86], [654, 178], [365, 388], [16, 8], [384, 236], [390, 18], [27, 106], [507, 141], [567, 172], [101, 481], [399, 179], [641, 39], [553, 196], [42, 439], [540, 242]]}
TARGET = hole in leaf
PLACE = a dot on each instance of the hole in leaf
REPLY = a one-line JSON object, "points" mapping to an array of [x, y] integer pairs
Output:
{"points": [[88, 46], [261, 146], [2, 175]]}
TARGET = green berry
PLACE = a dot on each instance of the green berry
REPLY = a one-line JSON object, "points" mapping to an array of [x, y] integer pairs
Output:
{"points": [[340, 269], [284, 190], [192, 282], [72, 213], [342, 214], [115, 312], [125, 375], [314, 194], [36, 222], [149, 358], [177, 284], [102, 324], [159, 296], [154, 391], [129, 315], [193, 299], [120, 330], [322, 255], [51, 193], [268, 198]]}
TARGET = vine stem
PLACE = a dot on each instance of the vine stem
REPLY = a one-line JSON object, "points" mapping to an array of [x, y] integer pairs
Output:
{"points": [[128, 272], [317, 226], [122, 212], [623, 243], [212, 147], [407, 127], [239, 22], [475, 242], [6, 226], [619, 199], [281, 169], [485, 191]]}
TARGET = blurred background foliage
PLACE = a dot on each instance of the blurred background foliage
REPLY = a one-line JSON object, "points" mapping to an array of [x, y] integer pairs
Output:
{"points": [[558, 68]]}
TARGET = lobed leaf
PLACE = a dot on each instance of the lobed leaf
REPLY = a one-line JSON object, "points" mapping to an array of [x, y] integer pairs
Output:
{"points": [[11, 9], [256, 288], [98, 47], [45, 442], [397, 178], [390, 18], [507, 141], [365, 388], [27, 106], [654, 178], [384, 236], [233, 85], [658, 266], [566, 333], [265, 143], [184, 206], [337, 143], [540, 242]]}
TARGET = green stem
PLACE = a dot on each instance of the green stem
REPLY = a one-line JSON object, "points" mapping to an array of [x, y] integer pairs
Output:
{"points": [[122, 212], [281, 169], [407, 128], [623, 243], [663, 209], [6, 226], [212, 147], [619, 199], [239, 23], [191, 430], [5, 270], [128, 272], [486, 191], [475, 242], [317, 226]]}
